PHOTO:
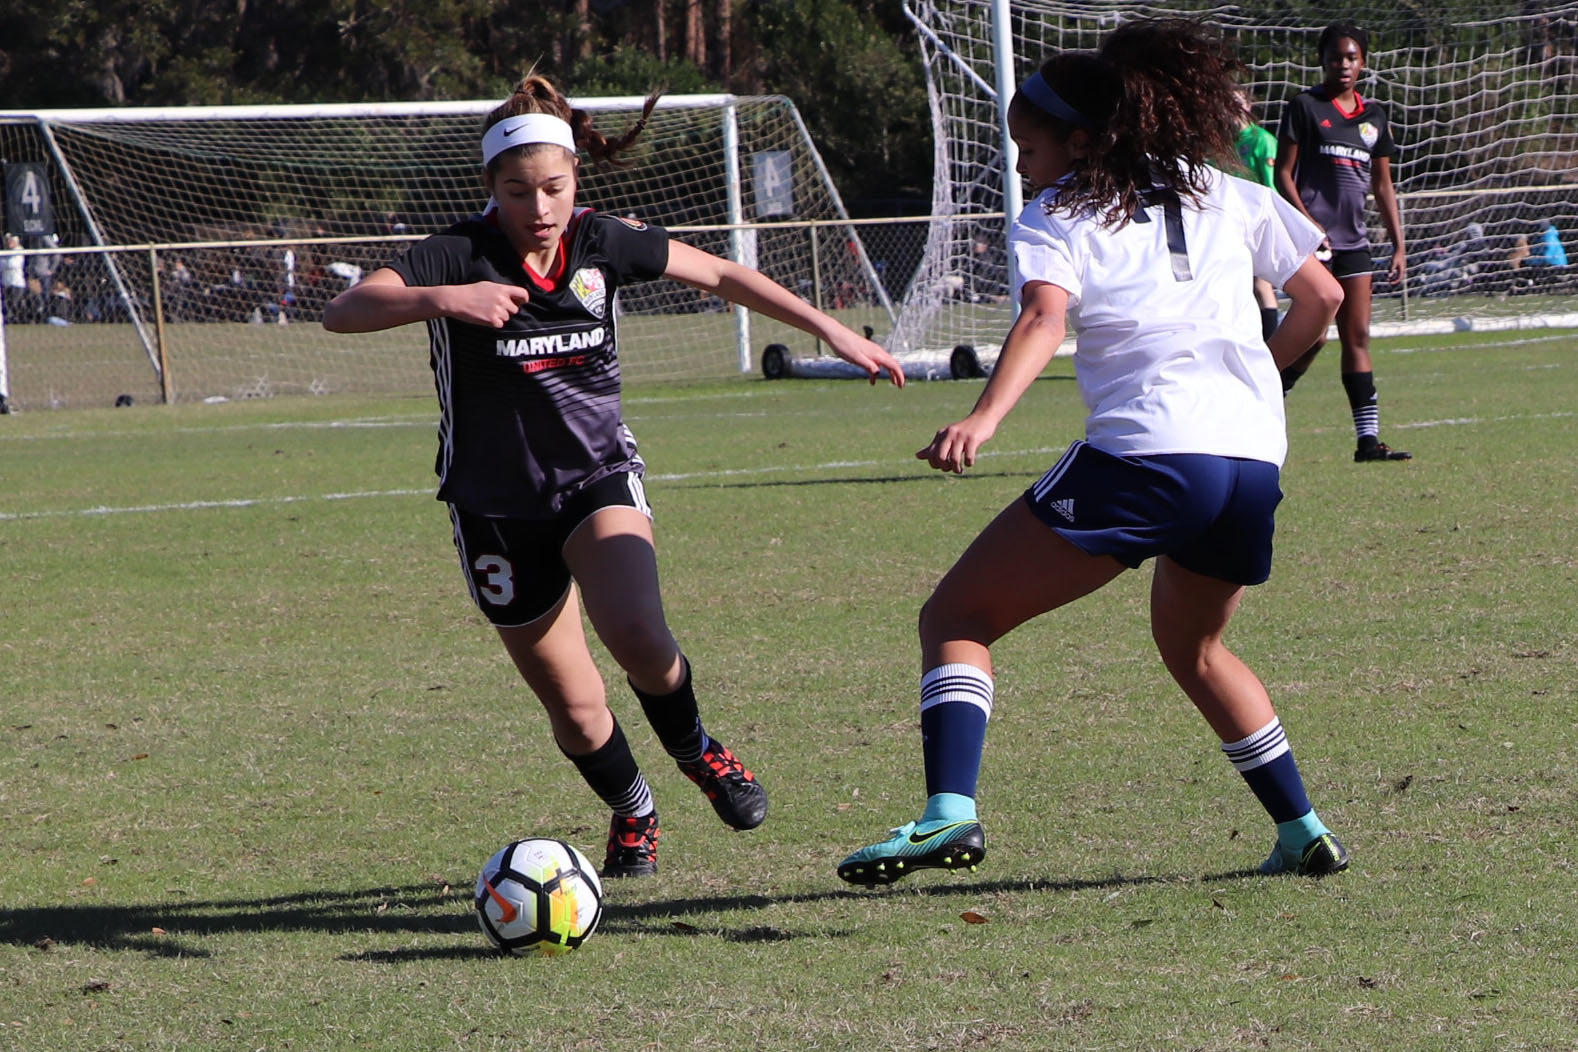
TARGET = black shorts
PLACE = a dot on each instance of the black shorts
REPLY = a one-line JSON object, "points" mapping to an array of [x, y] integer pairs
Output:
{"points": [[1350, 263], [515, 568]]}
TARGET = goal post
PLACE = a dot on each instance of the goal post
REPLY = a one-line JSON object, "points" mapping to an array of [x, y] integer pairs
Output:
{"points": [[259, 214], [1483, 99]]}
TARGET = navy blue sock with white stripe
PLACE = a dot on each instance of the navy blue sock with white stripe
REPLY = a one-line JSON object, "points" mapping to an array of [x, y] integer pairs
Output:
{"points": [[956, 702], [1266, 762]]}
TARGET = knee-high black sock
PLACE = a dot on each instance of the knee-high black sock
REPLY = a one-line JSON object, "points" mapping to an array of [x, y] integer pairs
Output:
{"points": [[676, 719], [613, 774], [1365, 405]]}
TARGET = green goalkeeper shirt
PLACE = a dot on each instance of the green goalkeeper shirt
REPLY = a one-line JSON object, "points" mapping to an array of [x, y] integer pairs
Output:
{"points": [[1257, 148]]}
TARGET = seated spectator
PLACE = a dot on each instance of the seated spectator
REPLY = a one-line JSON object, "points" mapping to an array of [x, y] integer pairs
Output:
{"points": [[1547, 264], [1551, 253], [1453, 269]]}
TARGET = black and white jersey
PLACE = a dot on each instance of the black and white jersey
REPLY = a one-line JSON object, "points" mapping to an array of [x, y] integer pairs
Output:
{"points": [[530, 413], [1336, 148]]}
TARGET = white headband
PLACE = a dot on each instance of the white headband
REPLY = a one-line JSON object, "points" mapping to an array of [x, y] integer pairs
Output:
{"points": [[523, 130]]}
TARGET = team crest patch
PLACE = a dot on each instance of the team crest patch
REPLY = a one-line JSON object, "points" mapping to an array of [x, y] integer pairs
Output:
{"points": [[591, 288], [1369, 133], [632, 222]]}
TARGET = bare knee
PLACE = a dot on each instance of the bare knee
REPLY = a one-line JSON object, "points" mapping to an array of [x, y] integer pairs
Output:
{"points": [[1188, 658], [575, 700], [941, 623]]}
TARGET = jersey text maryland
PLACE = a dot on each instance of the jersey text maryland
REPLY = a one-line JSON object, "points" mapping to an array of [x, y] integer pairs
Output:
{"points": [[557, 343]]}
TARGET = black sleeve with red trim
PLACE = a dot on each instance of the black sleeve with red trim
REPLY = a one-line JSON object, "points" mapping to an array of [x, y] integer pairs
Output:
{"points": [[438, 260], [637, 251]]}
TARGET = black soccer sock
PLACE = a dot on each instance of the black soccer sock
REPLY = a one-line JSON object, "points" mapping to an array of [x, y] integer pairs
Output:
{"points": [[1365, 405], [676, 719], [613, 774], [1268, 325]]}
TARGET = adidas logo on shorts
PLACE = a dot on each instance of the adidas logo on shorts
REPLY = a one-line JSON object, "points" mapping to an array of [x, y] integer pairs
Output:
{"points": [[1064, 507]]}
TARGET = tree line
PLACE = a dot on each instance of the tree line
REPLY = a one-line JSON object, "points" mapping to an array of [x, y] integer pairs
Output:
{"points": [[850, 66]]}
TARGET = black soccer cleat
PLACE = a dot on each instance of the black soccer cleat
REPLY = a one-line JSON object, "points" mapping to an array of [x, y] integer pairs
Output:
{"points": [[632, 846], [735, 793], [1379, 451]]}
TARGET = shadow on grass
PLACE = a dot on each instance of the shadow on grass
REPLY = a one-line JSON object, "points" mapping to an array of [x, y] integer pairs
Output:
{"points": [[609, 926], [415, 908], [425, 908]]}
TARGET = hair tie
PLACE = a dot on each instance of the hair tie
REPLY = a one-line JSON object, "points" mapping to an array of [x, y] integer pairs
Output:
{"points": [[1038, 91], [524, 130]]}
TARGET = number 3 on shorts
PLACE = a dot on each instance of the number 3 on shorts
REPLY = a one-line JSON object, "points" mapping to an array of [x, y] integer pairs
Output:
{"points": [[495, 579]]}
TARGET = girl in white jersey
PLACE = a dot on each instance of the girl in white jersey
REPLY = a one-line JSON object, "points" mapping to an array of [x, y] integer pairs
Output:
{"points": [[541, 475], [1149, 254]]}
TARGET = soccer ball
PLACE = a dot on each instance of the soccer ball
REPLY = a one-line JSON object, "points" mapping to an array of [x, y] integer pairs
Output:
{"points": [[538, 896]]}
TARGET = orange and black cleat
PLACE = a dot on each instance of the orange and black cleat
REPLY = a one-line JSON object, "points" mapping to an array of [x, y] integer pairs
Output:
{"points": [[735, 793]]}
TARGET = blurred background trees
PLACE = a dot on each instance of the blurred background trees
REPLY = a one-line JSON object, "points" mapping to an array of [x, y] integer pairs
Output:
{"points": [[850, 66]]}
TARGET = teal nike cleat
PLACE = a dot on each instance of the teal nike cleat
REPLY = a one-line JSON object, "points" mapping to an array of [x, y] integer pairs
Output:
{"points": [[927, 845], [1321, 857]]}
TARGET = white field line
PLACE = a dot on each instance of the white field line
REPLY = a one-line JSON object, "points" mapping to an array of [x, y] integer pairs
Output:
{"points": [[720, 473], [201, 505], [424, 420]]}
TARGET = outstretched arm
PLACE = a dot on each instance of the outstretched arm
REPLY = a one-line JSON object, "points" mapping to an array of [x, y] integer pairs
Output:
{"points": [[1031, 343], [383, 300], [756, 291]]}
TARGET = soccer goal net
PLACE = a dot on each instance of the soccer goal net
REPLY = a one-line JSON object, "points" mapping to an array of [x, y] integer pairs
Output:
{"points": [[197, 246], [1484, 103]]}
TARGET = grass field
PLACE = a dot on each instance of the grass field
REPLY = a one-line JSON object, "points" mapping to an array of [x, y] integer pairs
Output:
{"points": [[89, 366], [258, 743]]}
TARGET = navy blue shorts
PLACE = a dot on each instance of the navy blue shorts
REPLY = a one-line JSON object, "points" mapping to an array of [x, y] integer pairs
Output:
{"points": [[1213, 515], [515, 568]]}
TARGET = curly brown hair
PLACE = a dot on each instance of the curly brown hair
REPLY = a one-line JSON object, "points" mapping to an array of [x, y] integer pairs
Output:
{"points": [[537, 94], [1171, 108]]}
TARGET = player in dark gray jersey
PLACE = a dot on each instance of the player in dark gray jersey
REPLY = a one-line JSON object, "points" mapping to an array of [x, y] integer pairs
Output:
{"points": [[1334, 147], [540, 473]]}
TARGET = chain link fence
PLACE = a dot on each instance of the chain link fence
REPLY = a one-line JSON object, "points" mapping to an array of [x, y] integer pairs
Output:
{"points": [[86, 326]]}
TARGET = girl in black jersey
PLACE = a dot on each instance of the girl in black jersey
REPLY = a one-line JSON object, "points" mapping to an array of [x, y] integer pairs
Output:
{"points": [[541, 476], [1334, 148]]}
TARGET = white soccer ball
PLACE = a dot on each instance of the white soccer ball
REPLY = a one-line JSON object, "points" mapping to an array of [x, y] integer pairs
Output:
{"points": [[538, 896]]}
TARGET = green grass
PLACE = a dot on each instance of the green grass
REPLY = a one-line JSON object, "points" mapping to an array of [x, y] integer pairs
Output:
{"points": [[90, 366], [258, 743]]}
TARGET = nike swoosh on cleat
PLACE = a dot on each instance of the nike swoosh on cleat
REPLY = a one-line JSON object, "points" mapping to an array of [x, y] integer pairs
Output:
{"points": [[918, 838]]}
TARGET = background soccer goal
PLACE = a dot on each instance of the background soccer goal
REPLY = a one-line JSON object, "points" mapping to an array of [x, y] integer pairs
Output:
{"points": [[246, 220], [1483, 98]]}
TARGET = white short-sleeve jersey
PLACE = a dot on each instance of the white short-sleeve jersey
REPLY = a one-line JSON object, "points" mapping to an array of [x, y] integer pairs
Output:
{"points": [[1169, 354]]}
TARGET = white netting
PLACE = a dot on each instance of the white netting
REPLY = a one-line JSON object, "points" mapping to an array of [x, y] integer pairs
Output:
{"points": [[1485, 109], [281, 206]]}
